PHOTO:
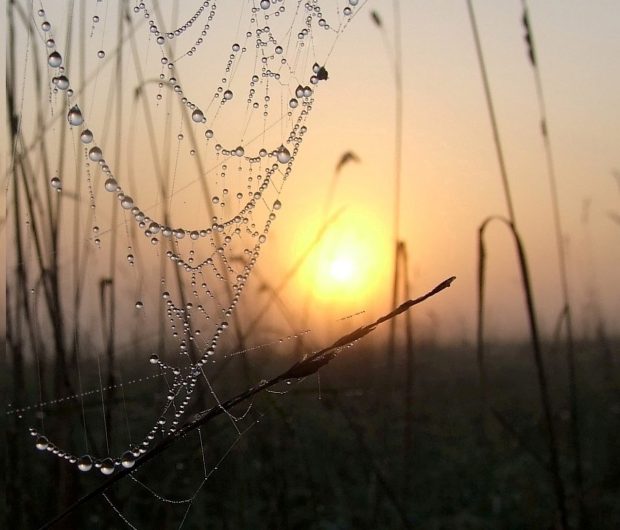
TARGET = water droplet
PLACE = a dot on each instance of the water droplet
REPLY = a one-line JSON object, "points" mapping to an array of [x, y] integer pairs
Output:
{"points": [[56, 183], [354, 2], [75, 116], [128, 459], [265, 4], [283, 155], [239, 151], [111, 185], [46, 26], [95, 154], [130, 258], [198, 116], [96, 18], [107, 466], [209, 133], [154, 359], [42, 443], [277, 205], [139, 305], [127, 202], [62, 82], [86, 136], [101, 54], [54, 59], [85, 463], [293, 103], [228, 95]]}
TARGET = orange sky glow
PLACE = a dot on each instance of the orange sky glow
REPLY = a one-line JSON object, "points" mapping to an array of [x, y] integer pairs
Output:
{"points": [[450, 176]]}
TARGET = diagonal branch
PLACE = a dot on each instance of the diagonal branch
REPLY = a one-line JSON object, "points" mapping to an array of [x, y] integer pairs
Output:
{"points": [[303, 368]]}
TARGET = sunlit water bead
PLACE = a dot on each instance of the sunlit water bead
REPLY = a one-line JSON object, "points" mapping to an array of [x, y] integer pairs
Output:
{"points": [[107, 466], [95, 154], [42, 443], [62, 82], [283, 155], [265, 4], [139, 305], [126, 202], [46, 26], [54, 59], [101, 54], [111, 185], [86, 136], [128, 460], [85, 463], [74, 116], [228, 95], [56, 183], [198, 116]]}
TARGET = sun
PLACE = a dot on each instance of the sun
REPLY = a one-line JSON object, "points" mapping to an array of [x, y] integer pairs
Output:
{"points": [[347, 266], [342, 269]]}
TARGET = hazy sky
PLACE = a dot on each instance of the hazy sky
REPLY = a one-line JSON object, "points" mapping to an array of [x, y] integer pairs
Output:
{"points": [[451, 178], [450, 175]]}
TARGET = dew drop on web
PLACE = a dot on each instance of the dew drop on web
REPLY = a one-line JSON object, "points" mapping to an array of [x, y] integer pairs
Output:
{"points": [[111, 185], [85, 463], [54, 59], [128, 460], [86, 136], [127, 202], [107, 466], [283, 155], [95, 154], [74, 116], [198, 116], [62, 82]]}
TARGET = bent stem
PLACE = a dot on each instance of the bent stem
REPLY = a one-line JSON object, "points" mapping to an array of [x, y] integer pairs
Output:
{"points": [[554, 466]]}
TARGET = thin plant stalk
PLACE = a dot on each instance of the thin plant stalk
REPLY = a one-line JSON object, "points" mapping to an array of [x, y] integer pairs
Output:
{"points": [[545, 399], [564, 282]]}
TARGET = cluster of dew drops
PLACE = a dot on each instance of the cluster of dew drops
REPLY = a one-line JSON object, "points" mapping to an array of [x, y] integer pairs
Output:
{"points": [[220, 230]]}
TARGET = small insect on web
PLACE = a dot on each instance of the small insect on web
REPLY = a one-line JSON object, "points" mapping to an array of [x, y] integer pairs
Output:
{"points": [[173, 142]]}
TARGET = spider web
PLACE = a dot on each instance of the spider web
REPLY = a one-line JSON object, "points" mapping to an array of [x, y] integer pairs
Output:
{"points": [[152, 146]]}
